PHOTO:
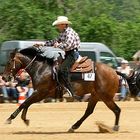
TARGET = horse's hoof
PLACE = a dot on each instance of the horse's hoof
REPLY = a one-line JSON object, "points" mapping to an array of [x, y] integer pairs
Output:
{"points": [[71, 130], [116, 128], [8, 121], [27, 122]]}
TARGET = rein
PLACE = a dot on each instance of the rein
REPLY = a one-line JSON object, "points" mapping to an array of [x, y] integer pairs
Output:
{"points": [[30, 63]]}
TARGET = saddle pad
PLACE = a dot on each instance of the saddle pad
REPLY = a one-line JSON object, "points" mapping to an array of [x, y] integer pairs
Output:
{"points": [[75, 76]]}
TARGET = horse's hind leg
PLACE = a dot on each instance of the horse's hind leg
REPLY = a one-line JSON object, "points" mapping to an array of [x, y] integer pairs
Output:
{"points": [[90, 108], [113, 106]]}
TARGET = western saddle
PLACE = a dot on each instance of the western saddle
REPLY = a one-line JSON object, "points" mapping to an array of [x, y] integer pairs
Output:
{"points": [[82, 64]]}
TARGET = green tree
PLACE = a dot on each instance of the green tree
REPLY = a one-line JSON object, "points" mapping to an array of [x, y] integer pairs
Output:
{"points": [[25, 20], [113, 22], [127, 39]]}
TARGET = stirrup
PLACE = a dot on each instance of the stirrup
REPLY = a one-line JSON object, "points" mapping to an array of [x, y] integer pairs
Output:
{"points": [[70, 94], [74, 96]]}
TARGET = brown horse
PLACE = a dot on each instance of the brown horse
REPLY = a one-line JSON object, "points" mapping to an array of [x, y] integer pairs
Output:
{"points": [[103, 88]]}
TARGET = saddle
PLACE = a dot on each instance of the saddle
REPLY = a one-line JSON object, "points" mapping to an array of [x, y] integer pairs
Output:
{"points": [[82, 69], [82, 64]]}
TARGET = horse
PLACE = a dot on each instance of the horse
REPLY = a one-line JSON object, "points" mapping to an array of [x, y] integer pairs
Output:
{"points": [[40, 70]]}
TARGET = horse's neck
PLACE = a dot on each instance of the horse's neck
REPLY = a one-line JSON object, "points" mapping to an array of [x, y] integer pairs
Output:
{"points": [[37, 69]]}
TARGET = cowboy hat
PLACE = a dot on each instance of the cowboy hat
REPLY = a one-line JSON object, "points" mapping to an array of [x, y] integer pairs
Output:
{"points": [[124, 62], [61, 20]]}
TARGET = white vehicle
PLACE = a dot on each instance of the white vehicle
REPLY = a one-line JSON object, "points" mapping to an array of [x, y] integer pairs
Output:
{"points": [[98, 52]]}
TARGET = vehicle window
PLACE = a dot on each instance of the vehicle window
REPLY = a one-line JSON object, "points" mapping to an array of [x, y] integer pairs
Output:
{"points": [[3, 58], [90, 54], [109, 59]]}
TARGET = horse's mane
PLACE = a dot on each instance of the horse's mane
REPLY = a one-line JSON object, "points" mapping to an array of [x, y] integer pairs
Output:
{"points": [[32, 52]]}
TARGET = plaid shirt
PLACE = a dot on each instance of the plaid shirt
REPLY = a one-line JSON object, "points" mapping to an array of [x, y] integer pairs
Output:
{"points": [[68, 40]]}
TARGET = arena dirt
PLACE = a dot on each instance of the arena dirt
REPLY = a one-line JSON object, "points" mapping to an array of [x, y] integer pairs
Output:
{"points": [[51, 121]]}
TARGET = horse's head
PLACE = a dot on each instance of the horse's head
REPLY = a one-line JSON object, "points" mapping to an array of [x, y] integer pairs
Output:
{"points": [[24, 59], [13, 65]]}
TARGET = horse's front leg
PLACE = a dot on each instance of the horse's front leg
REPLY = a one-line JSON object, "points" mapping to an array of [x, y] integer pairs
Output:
{"points": [[25, 104], [35, 97], [23, 116], [14, 114], [91, 105]]}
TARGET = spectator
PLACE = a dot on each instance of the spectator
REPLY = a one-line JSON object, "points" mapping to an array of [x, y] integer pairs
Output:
{"points": [[23, 82], [3, 89], [30, 89], [12, 91], [124, 89]]}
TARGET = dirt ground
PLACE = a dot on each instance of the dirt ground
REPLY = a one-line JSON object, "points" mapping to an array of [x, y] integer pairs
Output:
{"points": [[50, 121]]}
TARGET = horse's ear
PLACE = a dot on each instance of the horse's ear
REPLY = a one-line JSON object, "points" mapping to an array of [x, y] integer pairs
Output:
{"points": [[12, 54], [16, 50]]}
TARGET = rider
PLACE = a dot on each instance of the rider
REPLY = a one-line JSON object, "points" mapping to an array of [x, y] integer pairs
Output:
{"points": [[68, 41]]}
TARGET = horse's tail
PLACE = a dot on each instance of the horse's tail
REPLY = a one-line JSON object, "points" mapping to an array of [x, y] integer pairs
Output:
{"points": [[131, 80], [122, 75]]}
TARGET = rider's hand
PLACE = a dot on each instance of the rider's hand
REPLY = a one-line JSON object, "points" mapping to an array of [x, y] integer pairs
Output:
{"points": [[56, 44], [38, 45]]}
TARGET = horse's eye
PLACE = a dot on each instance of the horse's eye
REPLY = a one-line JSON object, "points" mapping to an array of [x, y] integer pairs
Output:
{"points": [[8, 63]]}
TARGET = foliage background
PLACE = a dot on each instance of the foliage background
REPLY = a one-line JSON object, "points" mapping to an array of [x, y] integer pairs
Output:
{"points": [[115, 23]]}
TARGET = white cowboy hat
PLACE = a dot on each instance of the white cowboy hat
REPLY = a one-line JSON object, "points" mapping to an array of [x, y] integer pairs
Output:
{"points": [[124, 62], [61, 20]]}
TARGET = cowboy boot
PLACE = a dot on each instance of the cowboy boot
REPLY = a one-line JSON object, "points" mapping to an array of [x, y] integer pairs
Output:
{"points": [[68, 87]]}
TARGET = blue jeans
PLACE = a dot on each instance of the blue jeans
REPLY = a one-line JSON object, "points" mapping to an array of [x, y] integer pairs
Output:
{"points": [[3, 90], [30, 91], [123, 91], [12, 92]]}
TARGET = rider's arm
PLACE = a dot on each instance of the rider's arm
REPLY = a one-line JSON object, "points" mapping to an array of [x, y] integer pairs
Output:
{"points": [[50, 42]]}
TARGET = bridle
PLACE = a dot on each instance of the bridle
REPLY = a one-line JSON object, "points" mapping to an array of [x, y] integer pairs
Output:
{"points": [[17, 60]]}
